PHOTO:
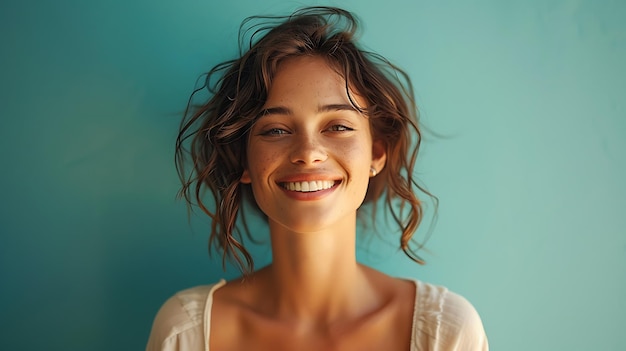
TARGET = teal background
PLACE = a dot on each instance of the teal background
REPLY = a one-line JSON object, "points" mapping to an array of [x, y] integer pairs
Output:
{"points": [[529, 98]]}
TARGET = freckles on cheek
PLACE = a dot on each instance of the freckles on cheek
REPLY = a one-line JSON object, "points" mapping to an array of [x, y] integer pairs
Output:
{"points": [[263, 166]]}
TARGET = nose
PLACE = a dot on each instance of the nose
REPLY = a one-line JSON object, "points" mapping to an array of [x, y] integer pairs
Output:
{"points": [[307, 150]]}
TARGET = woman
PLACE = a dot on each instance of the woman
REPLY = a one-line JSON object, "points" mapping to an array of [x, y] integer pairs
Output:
{"points": [[307, 126]]}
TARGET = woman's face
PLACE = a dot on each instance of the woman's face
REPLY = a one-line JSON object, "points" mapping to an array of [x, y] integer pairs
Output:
{"points": [[310, 153]]}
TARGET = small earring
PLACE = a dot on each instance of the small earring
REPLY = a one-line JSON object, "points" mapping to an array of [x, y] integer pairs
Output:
{"points": [[373, 171]]}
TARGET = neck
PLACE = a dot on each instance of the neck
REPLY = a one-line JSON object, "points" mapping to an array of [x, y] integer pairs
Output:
{"points": [[315, 276]]}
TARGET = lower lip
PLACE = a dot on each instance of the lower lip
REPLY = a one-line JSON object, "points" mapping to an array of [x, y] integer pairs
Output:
{"points": [[310, 195]]}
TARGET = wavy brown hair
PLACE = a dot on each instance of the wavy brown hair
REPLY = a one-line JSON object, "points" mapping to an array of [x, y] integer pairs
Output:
{"points": [[212, 141]]}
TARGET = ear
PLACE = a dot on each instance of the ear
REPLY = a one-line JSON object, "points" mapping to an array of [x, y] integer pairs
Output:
{"points": [[379, 155], [245, 177]]}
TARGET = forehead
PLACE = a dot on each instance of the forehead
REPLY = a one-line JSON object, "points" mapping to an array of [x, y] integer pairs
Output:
{"points": [[310, 78]]}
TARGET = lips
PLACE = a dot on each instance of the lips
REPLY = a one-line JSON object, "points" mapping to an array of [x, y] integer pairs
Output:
{"points": [[309, 186]]}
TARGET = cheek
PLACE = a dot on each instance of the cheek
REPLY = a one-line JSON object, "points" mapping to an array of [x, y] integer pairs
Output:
{"points": [[358, 153], [357, 157], [261, 164]]}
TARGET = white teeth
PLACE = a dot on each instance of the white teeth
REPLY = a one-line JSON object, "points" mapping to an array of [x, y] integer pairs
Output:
{"points": [[307, 187]]}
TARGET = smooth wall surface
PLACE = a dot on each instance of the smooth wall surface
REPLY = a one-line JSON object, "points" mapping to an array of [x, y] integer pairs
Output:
{"points": [[529, 99]]}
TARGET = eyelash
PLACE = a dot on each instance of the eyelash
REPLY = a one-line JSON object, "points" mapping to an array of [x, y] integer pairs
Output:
{"points": [[274, 131], [340, 128]]}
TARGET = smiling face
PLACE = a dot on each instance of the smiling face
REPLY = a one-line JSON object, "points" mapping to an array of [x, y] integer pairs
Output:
{"points": [[309, 154]]}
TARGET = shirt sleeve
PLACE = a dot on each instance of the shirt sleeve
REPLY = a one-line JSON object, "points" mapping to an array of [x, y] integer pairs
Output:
{"points": [[178, 326], [464, 331], [446, 321]]}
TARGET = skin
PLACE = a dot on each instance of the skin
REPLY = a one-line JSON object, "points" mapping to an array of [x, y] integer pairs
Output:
{"points": [[314, 295]]}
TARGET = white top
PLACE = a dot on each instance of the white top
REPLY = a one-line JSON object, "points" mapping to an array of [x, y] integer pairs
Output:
{"points": [[442, 321]]}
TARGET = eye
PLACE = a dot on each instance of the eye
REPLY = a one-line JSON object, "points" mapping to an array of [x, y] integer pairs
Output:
{"points": [[274, 132], [340, 128]]}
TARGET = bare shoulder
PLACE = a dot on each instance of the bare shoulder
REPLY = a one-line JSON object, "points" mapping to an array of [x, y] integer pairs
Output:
{"points": [[237, 295], [399, 290], [233, 303]]}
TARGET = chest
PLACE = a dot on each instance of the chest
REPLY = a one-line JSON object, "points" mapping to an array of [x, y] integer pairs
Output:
{"points": [[363, 340], [388, 330]]}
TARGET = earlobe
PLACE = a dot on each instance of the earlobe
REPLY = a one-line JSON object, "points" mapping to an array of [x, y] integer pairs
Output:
{"points": [[245, 177], [379, 155]]}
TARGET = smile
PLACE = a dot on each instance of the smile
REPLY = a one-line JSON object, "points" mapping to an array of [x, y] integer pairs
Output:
{"points": [[307, 187]]}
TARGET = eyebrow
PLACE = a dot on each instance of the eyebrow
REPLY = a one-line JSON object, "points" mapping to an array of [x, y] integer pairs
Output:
{"points": [[281, 110]]}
